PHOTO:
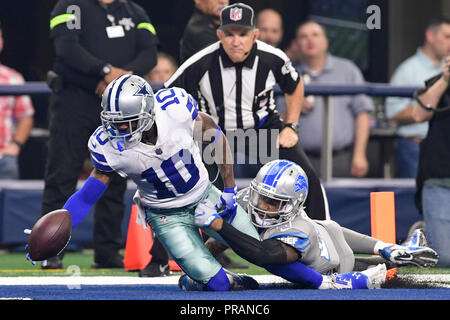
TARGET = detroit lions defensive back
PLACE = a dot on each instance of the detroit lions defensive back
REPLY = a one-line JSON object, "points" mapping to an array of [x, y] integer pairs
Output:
{"points": [[275, 203], [150, 139]]}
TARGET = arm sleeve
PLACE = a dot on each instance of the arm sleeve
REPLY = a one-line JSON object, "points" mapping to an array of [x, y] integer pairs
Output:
{"points": [[82, 201], [261, 253], [270, 255]]}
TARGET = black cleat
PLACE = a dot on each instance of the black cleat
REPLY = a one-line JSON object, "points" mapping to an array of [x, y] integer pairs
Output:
{"points": [[154, 269], [240, 281], [52, 263]]}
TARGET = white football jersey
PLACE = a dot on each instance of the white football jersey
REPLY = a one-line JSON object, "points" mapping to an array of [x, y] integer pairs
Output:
{"points": [[169, 174]]}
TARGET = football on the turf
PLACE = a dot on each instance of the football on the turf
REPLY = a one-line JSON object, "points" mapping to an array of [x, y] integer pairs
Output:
{"points": [[50, 235]]}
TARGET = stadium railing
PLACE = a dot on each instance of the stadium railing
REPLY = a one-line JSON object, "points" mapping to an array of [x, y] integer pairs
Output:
{"points": [[325, 90]]}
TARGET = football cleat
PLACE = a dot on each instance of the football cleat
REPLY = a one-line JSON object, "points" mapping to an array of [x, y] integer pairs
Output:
{"points": [[187, 284], [416, 239], [239, 281], [154, 269], [368, 279], [402, 255], [376, 276]]}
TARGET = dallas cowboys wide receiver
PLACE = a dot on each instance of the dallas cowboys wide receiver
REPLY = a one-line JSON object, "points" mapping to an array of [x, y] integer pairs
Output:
{"points": [[150, 139], [275, 202]]}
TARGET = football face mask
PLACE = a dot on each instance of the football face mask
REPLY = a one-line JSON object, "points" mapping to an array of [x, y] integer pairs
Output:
{"points": [[128, 110], [277, 193]]}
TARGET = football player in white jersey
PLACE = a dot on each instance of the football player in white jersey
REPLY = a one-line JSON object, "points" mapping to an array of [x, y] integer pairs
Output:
{"points": [[300, 249], [150, 139]]}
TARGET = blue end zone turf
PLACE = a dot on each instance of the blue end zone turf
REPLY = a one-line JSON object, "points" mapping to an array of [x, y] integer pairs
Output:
{"points": [[172, 292]]}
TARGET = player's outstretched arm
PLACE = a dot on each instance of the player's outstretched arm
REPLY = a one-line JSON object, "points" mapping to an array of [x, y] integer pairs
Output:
{"points": [[271, 254], [82, 201]]}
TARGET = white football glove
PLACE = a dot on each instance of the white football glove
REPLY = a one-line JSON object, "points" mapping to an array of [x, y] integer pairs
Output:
{"points": [[28, 232], [205, 213]]}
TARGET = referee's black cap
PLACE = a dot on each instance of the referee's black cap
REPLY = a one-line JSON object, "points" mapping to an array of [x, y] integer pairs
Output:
{"points": [[239, 15]]}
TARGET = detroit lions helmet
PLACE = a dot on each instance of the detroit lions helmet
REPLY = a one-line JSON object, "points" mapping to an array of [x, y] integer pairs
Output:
{"points": [[282, 187], [127, 100]]}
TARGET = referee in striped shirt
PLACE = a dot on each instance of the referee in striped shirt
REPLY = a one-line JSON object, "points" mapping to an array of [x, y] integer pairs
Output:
{"points": [[233, 79]]}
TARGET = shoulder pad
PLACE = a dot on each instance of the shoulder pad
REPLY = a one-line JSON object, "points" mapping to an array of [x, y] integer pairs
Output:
{"points": [[289, 235]]}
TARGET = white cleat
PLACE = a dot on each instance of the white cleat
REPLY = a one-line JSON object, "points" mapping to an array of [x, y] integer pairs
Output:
{"points": [[376, 276]]}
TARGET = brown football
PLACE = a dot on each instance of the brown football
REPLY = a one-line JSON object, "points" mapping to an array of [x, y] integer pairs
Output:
{"points": [[50, 235]]}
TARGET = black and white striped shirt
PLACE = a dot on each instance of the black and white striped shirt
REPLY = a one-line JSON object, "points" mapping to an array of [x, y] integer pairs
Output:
{"points": [[236, 95]]}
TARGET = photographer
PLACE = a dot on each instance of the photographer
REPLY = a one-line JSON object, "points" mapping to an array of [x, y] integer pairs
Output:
{"points": [[433, 177]]}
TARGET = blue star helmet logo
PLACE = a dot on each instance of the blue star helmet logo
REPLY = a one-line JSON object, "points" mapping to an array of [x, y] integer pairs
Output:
{"points": [[300, 184], [142, 91]]}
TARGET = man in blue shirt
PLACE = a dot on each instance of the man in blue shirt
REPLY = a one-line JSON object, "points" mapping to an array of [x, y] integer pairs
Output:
{"points": [[424, 64], [351, 119]]}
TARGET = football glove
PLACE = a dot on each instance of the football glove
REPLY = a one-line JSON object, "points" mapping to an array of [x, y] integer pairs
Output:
{"points": [[28, 232], [205, 213], [228, 199]]}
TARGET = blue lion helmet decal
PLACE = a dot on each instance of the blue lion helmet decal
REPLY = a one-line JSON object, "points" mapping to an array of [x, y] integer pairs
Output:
{"points": [[301, 184]]}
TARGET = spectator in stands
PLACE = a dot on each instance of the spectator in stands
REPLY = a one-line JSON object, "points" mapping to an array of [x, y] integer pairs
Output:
{"points": [[423, 65], [270, 25], [433, 177], [351, 121], [164, 69], [16, 122], [201, 28]]}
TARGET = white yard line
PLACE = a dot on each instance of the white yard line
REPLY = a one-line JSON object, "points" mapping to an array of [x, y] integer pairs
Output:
{"points": [[441, 279]]}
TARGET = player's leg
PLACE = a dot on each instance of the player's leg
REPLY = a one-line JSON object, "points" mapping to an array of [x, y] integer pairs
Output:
{"points": [[345, 253], [412, 252], [181, 237]]}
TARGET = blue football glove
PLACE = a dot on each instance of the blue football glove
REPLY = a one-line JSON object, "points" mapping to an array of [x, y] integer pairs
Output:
{"points": [[228, 199], [205, 213], [28, 232]]}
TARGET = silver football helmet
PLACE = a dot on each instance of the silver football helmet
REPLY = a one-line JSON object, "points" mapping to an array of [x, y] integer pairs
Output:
{"points": [[127, 100], [277, 193]]}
